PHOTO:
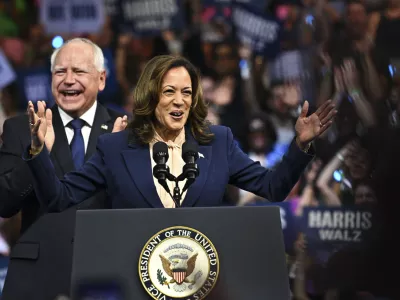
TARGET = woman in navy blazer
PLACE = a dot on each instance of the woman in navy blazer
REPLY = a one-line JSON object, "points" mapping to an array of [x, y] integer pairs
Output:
{"points": [[168, 101]]}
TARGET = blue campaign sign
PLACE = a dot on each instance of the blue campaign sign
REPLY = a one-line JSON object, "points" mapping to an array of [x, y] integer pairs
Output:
{"points": [[151, 17], [111, 89], [336, 226], [4, 260], [72, 16], [34, 84], [7, 73], [258, 30], [288, 222]]}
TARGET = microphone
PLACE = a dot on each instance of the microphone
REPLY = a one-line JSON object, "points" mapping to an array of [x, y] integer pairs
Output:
{"points": [[190, 153], [160, 170]]}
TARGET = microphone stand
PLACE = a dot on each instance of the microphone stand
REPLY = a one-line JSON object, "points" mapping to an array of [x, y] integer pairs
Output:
{"points": [[177, 195]]}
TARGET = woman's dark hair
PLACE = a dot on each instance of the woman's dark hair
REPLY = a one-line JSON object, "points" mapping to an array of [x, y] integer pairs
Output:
{"points": [[147, 94]]}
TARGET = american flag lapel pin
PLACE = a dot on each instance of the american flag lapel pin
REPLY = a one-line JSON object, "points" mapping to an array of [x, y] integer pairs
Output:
{"points": [[104, 126]]}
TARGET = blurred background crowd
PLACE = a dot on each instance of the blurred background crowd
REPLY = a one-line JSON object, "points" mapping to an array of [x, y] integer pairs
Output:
{"points": [[259, 60]]}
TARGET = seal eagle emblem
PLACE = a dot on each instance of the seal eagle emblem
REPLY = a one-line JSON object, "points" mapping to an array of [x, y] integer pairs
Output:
{"points": [[179, 266], [178, 262]]}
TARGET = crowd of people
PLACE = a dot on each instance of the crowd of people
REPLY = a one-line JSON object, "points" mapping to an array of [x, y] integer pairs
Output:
{"points": [[344, 51]]}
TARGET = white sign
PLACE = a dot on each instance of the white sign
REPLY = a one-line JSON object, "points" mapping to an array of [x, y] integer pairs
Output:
{"points": [[7, 74], [147, 17], [287, 65], [256, 30], [72, 16]]}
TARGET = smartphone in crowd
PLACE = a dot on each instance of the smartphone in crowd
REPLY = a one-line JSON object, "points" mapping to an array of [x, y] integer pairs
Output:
{"points": [[394, 68], [244, 69]]}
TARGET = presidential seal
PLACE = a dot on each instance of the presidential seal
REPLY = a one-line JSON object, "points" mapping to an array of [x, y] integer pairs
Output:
{"points": [[178, 262]]}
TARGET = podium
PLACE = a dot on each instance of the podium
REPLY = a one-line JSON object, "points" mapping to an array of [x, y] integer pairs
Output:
{"points": [[232, 253]]}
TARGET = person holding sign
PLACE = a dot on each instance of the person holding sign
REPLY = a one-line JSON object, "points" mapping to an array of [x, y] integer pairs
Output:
{"points": [[169, 108], [73, 127]]}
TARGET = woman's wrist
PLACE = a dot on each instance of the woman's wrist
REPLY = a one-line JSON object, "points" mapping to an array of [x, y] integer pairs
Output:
{"points": [[35, 150], [303, 146], [310, 184], [326, 71], [354, 92], [342, 153], [340, 156]]}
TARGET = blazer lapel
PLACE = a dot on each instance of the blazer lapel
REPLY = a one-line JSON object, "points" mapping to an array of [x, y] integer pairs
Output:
{"points": [[60, 153], [203, 163], [138, 163], [102, 124]]}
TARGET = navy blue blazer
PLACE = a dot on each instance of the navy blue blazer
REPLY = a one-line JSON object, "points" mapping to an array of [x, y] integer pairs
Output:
{"points": [[124, 168]]}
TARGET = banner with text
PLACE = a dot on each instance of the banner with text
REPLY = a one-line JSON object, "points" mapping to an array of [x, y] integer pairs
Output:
{"points": [[151, 17], [336, 226], [34, 84], [4, 260], [259, 31], [287, 65], [7, 74], [72, 16]]}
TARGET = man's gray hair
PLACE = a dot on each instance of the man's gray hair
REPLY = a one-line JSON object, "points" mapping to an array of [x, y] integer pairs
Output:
{"points": [[97, 53]]}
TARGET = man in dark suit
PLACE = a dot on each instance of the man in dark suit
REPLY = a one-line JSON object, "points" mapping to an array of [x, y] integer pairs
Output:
{"points": [[40, 265]]}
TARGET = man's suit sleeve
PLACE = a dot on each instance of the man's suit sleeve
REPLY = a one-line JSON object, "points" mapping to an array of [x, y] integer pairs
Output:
{"points": [[274, 185], [15, 176], [58, 195]]}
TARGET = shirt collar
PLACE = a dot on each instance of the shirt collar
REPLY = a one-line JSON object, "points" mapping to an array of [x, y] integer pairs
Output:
{"points": [[88, 116], [180, 139]]}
